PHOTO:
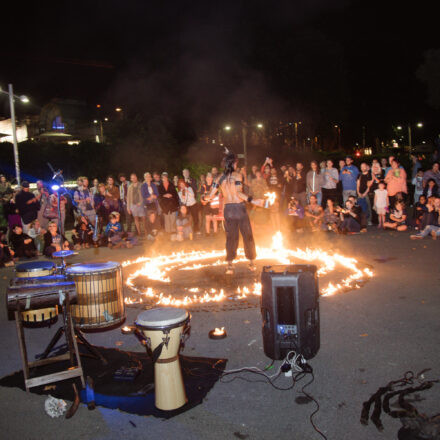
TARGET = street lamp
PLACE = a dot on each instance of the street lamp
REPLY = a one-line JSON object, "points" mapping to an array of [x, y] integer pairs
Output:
{"points": [[227, 127], [25, 100], [260, 125]]}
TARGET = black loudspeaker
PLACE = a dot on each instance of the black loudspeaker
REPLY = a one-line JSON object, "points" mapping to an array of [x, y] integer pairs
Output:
{"points": [[290, 310]]}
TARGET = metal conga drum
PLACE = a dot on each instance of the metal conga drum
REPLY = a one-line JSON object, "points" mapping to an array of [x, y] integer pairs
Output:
{"points": [[27, 272], [164, 328], [100, 300]]}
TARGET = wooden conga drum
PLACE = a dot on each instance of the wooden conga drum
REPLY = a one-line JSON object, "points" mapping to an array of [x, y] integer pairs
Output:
{"points": [[26, 272], [165, 326], [100, 301]]}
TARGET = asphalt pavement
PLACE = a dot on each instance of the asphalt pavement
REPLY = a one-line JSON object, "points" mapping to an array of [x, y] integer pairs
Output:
{"points": [[369, 336]]}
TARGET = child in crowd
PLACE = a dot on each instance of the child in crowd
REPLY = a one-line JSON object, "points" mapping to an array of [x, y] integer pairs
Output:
{"points": [[36, 232], [22, 244], [183, 223], [418, 185], [295, 213], [397, 218], [115, 235], [82, 233], [381, 203], [420, 209]]}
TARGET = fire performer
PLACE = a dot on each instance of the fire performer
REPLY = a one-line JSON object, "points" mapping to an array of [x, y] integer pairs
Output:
{"points": [[236, 218]]}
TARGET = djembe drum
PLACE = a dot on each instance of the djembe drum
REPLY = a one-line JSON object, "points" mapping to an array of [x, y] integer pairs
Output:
{"points": [[100, 301], [164, 329], [26, 272]]}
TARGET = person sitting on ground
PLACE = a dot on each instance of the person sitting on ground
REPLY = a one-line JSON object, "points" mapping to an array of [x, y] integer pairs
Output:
{"points": [[36, 232], [430, 216], [397, 218], [54, 241], [314, 214], [330, 220], [350, 217], [362, 214], [6, 253], [419, 211], [183, 224], [381, 203], [433, 229], [115, 235], [431, 189], [22, 244], [295, 213], [82, 233]]}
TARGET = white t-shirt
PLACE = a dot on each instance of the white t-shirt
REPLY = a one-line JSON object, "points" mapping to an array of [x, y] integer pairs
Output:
{"points": [[381, 198]]}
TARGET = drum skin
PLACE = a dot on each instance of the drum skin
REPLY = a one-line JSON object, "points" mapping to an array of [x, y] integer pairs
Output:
{"points": [[168, 381], [100, 300], [31, 270]]}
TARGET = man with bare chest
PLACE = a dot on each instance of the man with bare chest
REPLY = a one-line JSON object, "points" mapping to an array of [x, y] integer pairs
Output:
{"points": [[230, 183]]}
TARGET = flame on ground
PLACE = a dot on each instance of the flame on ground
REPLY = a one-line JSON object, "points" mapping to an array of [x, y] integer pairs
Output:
{"points": [[157, 269]]}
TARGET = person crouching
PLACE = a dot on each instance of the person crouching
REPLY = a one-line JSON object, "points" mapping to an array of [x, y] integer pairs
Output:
{"points": [[116, 236]]}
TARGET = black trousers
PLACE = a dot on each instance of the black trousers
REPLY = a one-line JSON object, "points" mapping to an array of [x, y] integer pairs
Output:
{"points": [[237, 219]]}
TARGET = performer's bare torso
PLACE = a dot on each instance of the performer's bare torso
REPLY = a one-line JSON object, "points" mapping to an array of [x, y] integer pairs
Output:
{"points": [[232, 188]]}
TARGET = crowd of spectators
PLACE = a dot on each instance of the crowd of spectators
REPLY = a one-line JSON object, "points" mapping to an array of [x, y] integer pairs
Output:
{"points": [[124, 211]]}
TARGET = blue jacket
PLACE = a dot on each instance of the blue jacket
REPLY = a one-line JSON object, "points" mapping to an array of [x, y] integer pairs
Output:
{"points": [[349, 180], [110, 225], [146, 194]]}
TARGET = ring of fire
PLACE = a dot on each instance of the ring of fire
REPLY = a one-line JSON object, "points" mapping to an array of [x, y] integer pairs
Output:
{"points": [[157, 270]]}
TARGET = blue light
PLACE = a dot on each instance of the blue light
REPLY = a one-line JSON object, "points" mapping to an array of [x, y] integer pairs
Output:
{"points": [[55, 187]]}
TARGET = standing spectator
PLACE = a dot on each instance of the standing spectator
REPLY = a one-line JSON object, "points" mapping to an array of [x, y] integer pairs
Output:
{"points": [[210, 207], [381, 203], [330, 181], [112, 193], [169, 203], [266, 167], [187, 198], [384, 164], [299, 185], [94, 188], [396, 182], [123, 192], [214, 173], [314, 182], [364, 182], [417, 181], [28, 205], [189, 180], [150, 194], [377, 175], [22, 244], [258, 186], [433, 173], [251, 176], [348, 176], [102, 207], [415, 167], [340, 200], [156, 179], [135, 202], [42, 194], [84, 199], [54, 241], [275, 186]]}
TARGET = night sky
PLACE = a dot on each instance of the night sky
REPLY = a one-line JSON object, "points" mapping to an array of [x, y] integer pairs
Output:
{"points": [[201, 63]]}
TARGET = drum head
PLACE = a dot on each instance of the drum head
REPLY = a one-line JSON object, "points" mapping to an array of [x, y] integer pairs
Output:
{"points": [[83, 269], [63, 254], [161, 317], [35, 266]]}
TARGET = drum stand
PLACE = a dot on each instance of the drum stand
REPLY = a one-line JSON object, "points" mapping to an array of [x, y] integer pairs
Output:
{"points": [[73, 371], [93, 352]]}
